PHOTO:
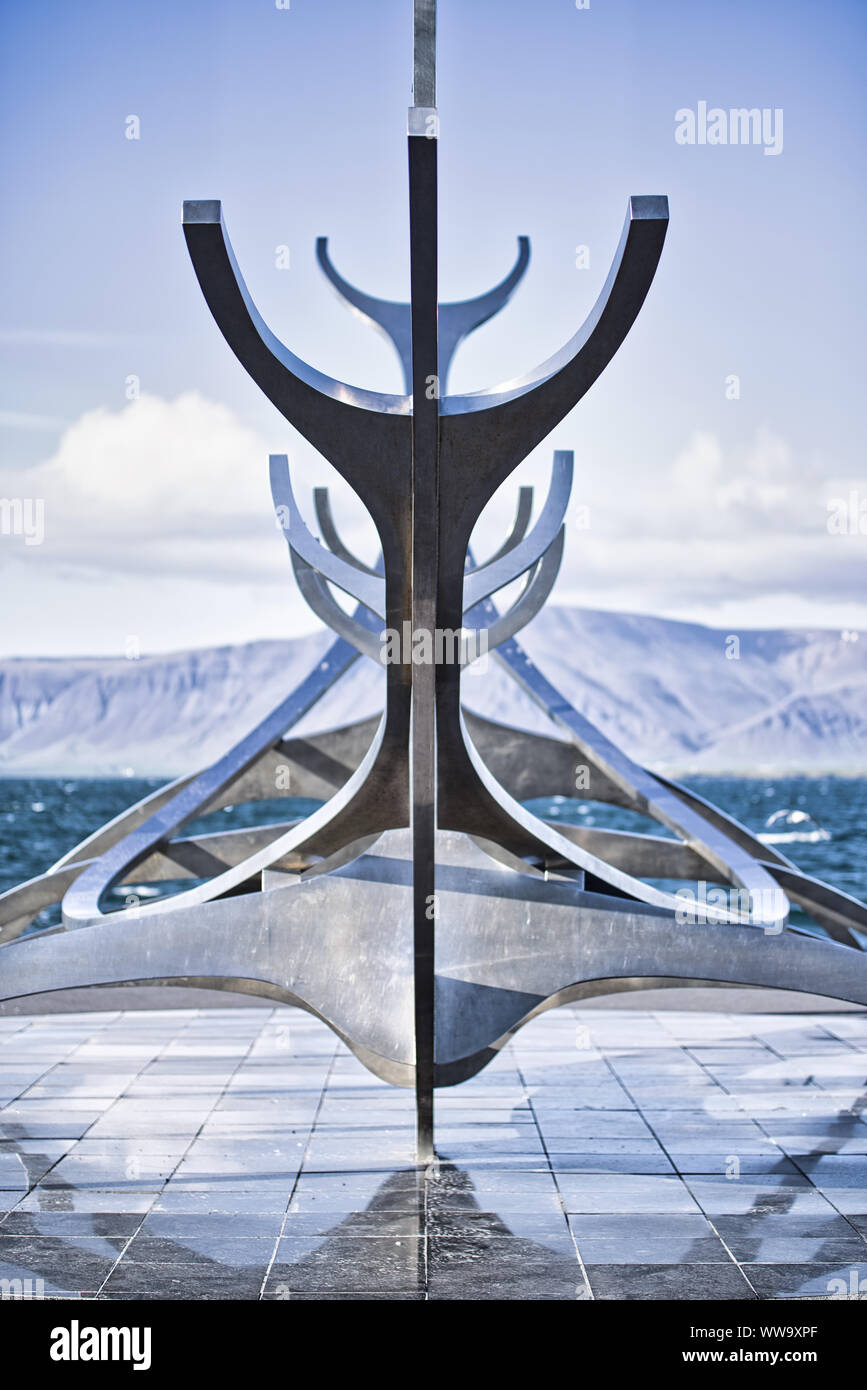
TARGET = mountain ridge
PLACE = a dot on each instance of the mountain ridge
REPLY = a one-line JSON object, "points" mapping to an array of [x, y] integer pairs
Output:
{"points": [[678, 696]]}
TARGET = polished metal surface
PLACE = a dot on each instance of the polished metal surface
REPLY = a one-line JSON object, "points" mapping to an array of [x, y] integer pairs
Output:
{"points": [[284, 942], [424, 62], [422, 910]]}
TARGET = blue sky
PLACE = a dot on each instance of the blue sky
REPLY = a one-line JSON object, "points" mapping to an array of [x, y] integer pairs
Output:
{"points": [[157, 521]]}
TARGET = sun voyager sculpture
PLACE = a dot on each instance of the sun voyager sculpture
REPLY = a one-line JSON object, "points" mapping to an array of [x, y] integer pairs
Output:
{"points": [[422, 911]]}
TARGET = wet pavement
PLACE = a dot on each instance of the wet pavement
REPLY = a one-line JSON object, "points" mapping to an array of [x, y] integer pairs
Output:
{"points": [[245, 1154]]}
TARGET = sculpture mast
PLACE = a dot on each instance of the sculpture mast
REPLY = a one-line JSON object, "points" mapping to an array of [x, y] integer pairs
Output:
{"points": [[422, 142]]}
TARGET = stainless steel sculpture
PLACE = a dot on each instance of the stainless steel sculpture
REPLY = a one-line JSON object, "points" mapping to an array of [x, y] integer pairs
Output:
{"points": [[422, 911]]}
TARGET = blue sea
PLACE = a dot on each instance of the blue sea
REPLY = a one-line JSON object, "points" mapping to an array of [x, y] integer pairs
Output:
{"points": [[818, 823]]}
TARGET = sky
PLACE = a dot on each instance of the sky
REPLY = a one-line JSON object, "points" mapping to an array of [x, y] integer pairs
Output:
{"points": [[720, 459]]}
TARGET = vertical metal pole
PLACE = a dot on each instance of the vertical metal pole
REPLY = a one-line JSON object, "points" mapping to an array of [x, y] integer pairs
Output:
{"points": [[424, 53], [422, 141]]}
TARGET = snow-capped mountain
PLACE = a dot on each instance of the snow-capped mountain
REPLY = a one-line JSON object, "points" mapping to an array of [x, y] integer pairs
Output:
{"points": [[678, 696]]}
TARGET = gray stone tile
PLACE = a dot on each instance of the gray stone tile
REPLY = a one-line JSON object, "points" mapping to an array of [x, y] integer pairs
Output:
{"points": [[696, 1164], [828, 1225], [542, 1228], [534, 1283], [347, 1263], [276, 1189], [72, 1127], [390, 1224], [135, 1172], [496, 1248], [837, 1280], [656, 1282], [52, 1148], [737, 1198], [22, 1171], [595, 1124], [581, 1144], [836, 1170], [829, 1125], [133, 1147], [332, 1296], [639, 1164], [593, 1192], [858, 1219], [26, 1288], [149, 1120], [734, 1056], [724, 1146], [689, 1099], [87, 1200], [215, 1248], [178, 1281], [339, 1194], [114, 1225], [802, 1144], [508, 1204], [631, 1225], [851, 1201], [77, 1263], [178, 1225], [626, 1250], [220, 1201], [778, 1250]]}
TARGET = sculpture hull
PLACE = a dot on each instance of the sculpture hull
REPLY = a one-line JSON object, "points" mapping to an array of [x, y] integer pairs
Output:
{"points": [[508, 946]]}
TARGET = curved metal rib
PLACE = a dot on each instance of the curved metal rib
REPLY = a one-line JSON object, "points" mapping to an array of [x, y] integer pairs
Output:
{"points": [[107, 835], [643, 856], [731, 861], [487, 579], [334, 541], [200, 856], [502, 424], [839, 914], [19, 905], [345, 423], [368, 589], [82, 903], [330, 534], [315, 592], [768, 912], [390, 317], [367, 638], [82, 907], [726, 823], [319, 764], [523, 512], [529, 602], [456, 320]]}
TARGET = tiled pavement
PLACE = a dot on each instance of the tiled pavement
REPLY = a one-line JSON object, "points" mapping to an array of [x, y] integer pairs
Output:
{"points": [[245, 1154]]}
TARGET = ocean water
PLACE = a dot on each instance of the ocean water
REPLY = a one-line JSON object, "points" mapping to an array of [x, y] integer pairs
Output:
{"points": [[818, 823]]}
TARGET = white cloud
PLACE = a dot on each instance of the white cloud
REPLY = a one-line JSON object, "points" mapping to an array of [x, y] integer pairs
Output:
{"points": [[755, 488], [181, 485], [717, 526]]}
